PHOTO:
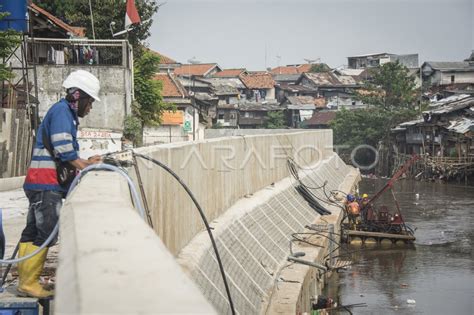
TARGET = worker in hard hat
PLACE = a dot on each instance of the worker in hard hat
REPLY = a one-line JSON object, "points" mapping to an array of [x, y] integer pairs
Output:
{"points": [[56, 146], [353, 211]]}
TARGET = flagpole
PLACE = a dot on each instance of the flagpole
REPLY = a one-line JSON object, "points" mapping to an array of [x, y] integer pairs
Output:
{"points": [[92, 20]]}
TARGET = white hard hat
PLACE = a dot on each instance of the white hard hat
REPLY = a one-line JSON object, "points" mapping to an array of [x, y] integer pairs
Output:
{"points": [[85, 81]]}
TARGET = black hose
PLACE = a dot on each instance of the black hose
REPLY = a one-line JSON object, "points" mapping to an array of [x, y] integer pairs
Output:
{"points": [[204, 219]]}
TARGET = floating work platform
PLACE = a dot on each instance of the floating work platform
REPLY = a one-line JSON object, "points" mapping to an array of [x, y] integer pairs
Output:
{"points": [[378, 236]]}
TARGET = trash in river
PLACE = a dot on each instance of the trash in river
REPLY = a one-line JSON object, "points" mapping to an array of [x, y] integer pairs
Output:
{"points": [[410, 301], [403, 285]]}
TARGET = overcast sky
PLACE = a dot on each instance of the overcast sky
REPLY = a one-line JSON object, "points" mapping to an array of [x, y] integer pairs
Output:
{"points": [[252, 34]]}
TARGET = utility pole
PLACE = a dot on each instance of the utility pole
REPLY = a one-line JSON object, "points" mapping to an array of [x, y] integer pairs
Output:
{"points": [[92, 19]]}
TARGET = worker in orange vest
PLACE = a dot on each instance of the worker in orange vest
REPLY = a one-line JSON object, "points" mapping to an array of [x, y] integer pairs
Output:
{"points": [[353, 211]]}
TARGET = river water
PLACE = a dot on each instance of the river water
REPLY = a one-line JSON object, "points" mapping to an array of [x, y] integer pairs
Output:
{"points": [[437, 272]]}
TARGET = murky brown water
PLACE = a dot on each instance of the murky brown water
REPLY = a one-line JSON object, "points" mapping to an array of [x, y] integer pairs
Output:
{"points": [[438, 272]]}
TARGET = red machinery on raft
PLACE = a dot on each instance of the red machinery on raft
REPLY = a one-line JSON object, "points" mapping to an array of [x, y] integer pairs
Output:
{"points": [[380, 223]]}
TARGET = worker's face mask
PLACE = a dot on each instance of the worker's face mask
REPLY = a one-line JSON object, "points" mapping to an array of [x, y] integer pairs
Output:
{"points": [[84, 106], [80, 101]]}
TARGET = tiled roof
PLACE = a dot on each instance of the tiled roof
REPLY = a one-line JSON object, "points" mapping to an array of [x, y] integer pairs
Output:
{"points": [[292, 69], [229, 73], [76, 31], [258, 81], [200, 69], [321, 118], [304, 68], [284, 70], [171, 86], [164, 60]]}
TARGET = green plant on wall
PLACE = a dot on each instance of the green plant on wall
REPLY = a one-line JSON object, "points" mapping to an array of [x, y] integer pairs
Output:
{"points": [[9, 40]]}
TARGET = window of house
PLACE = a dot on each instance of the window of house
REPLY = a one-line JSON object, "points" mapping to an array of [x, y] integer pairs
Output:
{"points": [[232, 116], [353, 103], [221, 116], [227, 100], [452, 79], [247, 114]]}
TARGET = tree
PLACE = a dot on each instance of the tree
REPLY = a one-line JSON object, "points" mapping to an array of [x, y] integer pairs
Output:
{"points": [[319, 67], [9, 40], [391, 88], [77, 13], [275, 120], [366, 126], [150, 105]]}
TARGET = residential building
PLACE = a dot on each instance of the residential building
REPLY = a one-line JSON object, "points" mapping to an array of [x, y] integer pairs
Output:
{"points": [[446, 129], [338, 90], [448, 73], [253, 115], [298, 109], [179, 125], [260, 86], [378, 59], [204, 70], [166, 63]]}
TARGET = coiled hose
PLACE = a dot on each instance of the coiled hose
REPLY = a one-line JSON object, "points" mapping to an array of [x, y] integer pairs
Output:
{"points": [[136, 201]]}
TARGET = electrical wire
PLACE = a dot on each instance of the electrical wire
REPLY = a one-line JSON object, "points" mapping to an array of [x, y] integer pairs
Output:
{"points": [[204, 219]]}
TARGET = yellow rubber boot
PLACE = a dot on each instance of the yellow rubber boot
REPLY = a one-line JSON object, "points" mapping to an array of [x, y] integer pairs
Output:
{"points": [[21, 253], [30, 273]]}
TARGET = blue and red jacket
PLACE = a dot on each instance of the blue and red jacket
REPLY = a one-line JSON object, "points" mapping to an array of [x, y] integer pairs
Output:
{"points": [[60, 124]]}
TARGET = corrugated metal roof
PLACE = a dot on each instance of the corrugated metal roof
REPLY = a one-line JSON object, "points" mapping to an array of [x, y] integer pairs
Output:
{"points": [[351, 72], [234, 82], [295, 88], [450, 65], [294, 100], [286, 77], [411, 123], [461, 125], [225, 90], [448, 100], [302, 106], [253, 106], [452, 106], [321, 118]]}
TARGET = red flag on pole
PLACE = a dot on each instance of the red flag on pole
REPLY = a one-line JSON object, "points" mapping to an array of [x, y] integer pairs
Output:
{"points": [[131, 16]]}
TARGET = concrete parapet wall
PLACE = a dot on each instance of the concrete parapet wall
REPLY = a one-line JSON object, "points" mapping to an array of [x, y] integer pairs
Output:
{"points": [[11, 183], [219, 133], [253, 238], [219, 172], [111, 262], [115, 93]]}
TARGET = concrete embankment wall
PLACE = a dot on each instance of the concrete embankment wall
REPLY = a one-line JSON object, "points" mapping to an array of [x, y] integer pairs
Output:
{"points": [[219, 172], [110, 261], [253, 239]]}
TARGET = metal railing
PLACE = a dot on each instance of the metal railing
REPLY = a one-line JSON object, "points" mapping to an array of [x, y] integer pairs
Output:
{"points": [[51, 51]]}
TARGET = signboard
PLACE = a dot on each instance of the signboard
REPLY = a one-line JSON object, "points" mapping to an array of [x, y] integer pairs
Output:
{"points": [[171, 118], [97, 141], [187, 126]]}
